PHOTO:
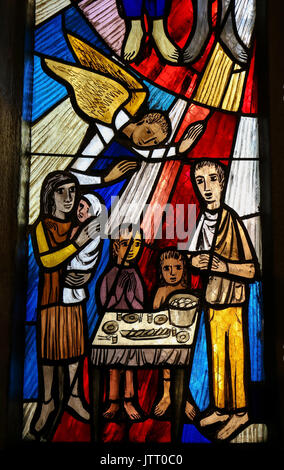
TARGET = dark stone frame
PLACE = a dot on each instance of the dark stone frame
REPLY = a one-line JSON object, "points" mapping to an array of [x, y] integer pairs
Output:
{"points": [[14, 139]]}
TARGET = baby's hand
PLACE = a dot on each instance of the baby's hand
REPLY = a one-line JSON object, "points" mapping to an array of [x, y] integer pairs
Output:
{"points": [[88, 233]]}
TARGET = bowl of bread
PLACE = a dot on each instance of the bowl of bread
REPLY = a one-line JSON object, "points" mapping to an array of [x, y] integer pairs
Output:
{"points": [[182, 309]]}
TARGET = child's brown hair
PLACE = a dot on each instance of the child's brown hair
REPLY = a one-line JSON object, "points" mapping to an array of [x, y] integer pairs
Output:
{"points": [[173, 253]]}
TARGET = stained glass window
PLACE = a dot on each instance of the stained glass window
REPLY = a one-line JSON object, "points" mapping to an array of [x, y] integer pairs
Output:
{"points": [[144, 307]]}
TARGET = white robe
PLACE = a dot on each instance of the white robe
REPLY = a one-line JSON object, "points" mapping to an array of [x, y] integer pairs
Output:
{"points": [[204, 233], [85, 260]]}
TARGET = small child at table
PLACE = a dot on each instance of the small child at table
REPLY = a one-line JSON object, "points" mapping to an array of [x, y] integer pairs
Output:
{"points": [[172, 278], [122, 290]]}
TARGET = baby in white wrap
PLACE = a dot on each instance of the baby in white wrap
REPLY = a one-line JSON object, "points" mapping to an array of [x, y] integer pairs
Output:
{"points": [[86, 259]]}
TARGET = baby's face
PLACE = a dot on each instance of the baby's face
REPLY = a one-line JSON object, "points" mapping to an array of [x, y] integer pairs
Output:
{"points": [[172, 270], [83, 210]]}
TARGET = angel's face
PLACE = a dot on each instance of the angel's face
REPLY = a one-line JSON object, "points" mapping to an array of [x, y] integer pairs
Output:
{"points": [[146, 135]]}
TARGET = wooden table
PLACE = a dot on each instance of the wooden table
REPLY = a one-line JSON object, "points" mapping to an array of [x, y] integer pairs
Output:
{"points": [[148, 344]]}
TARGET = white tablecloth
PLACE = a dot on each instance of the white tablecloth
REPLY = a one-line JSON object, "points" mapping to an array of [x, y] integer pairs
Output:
{"points": [[165, 351]]}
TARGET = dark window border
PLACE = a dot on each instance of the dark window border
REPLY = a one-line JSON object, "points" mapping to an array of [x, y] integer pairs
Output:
{"points": [[14, 144]]}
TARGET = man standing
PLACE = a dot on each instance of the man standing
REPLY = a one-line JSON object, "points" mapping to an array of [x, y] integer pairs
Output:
{"points": [[221, 248]]}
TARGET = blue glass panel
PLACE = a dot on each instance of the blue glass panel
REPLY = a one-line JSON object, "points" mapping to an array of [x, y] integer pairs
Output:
{"points": [[108, 192], [158, 98], [28, 81], [46, 91], [117, 150], [255, 321], [32, 292], [102, 164], [192, 435], [30, 369], [199, 382], [49, 40]]}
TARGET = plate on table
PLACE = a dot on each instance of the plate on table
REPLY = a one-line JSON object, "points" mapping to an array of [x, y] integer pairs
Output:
{"points": [[110, 327], [160, 319], [130, 317], [182, 336]]}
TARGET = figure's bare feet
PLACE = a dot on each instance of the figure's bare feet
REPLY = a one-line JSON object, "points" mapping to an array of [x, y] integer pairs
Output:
{"points": [[131, 410], [112, 410], [47, 408], [168, 50], [232, 425], [162, 406], [190, 411], [133, 43], [190, 136], [75, 403], [213, 418]]}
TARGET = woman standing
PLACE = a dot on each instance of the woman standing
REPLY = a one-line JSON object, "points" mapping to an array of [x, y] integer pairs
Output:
{"points": [[60, 332]]}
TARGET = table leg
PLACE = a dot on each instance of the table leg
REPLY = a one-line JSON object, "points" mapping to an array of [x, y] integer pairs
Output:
{"points": [[96, 397], [179, 382]]}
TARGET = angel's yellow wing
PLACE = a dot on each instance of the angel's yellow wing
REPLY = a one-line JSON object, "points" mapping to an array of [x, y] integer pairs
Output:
{"points": [[91, 58], [99, 97]]}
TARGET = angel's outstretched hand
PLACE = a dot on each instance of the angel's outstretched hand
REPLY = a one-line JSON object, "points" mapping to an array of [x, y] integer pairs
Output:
{"points": [[189, 137]]}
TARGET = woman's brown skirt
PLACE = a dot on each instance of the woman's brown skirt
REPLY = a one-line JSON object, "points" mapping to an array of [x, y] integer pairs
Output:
{"points": [[62, 332]]}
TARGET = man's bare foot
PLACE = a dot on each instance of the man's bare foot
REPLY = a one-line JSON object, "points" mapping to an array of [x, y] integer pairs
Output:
{"points": [[168, 50], [131, 410], [190, 136], [162, 406], [190, 411], [75, 403], [112, 410], [133, 43], [213, 418], [46, 408], [232, 425]]}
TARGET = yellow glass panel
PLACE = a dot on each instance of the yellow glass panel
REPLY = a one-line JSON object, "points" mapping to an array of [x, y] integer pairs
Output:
{"points": [[217, 74], [233, 95]]}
